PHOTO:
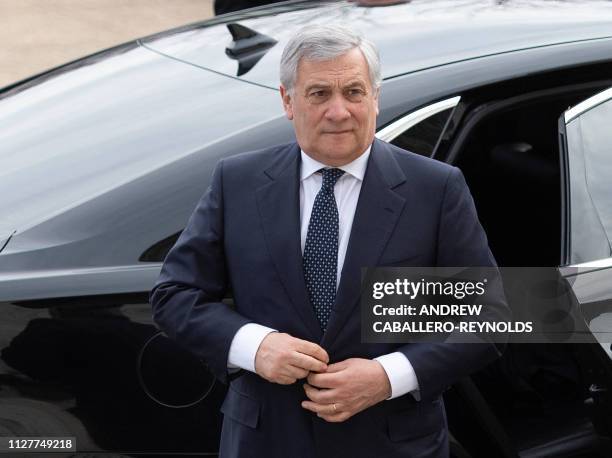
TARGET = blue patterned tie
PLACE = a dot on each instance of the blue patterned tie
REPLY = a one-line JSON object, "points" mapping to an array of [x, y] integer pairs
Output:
{"points": [[321, 248]]}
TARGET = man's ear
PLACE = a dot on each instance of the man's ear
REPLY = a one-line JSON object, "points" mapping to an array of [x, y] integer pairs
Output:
{"points": [[287, 102]]}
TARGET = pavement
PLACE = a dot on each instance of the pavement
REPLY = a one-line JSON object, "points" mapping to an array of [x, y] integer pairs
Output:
{"points": [[36, 35]]}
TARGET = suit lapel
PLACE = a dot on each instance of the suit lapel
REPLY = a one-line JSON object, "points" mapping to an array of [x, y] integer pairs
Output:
{"points": [[377, 213], [279, 206]]}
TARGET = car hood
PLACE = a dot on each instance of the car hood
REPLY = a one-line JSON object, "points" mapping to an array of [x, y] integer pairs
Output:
{"points": [[410, 36]]}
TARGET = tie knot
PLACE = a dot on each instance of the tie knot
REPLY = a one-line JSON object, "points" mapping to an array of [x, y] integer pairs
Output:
{"points": [[330, 177]]}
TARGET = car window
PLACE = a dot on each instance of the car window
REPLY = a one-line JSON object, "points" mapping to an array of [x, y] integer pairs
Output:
{"points": [[420, 130], [589, 160], [423, 137]]}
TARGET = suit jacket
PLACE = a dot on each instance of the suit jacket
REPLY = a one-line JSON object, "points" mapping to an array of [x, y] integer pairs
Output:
{"points": [[245, 235]]}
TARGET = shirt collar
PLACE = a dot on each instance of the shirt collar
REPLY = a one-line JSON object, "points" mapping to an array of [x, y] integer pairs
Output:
{"points": [[356, 168]]}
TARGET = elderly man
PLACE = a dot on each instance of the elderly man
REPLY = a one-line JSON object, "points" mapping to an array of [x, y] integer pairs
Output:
{"points": [[289, 228]]}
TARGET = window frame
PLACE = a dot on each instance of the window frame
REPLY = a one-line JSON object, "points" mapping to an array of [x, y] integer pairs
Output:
{"points": [[568, 116], [396, 128]]}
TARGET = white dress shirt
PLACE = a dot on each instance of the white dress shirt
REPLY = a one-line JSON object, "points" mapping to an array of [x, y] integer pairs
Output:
{"points": [[248, 338]]}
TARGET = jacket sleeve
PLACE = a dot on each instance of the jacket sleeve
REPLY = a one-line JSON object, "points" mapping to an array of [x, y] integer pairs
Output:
{"points": [[461, 243], [186, 299]]}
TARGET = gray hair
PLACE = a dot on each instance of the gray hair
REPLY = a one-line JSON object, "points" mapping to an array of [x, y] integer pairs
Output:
{"points": [[325, 42]]}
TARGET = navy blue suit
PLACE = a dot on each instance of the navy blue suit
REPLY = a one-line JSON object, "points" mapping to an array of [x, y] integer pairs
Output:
{"points": [[245, 235]]}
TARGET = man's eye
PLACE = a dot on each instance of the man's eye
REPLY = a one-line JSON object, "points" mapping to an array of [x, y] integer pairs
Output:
{"points": [[355, 94], [318, 96]]}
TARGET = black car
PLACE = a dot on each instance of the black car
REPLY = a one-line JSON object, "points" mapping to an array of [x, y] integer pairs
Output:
{"points": [[103, 159]]}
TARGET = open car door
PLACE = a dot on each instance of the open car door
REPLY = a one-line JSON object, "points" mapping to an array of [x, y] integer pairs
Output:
{"points": [[585, 133]]}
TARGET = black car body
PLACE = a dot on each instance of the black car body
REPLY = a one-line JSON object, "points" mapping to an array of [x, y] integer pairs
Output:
{"points": [[102, 161]]}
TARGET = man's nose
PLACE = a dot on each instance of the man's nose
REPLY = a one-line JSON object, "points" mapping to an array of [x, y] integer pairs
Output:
{"points": [[336, 109]]}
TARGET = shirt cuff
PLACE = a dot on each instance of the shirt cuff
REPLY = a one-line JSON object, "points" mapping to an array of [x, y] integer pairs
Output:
{"points": [[401, 374], [245, 345]]}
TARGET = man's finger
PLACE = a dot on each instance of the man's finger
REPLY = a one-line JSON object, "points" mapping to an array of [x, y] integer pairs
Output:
{"points": [[325, 380], [327, 411], [296, 372], [336, 418], [307, 362], [325, 396], [337, 367], [312, 349], [324, 409], [285, 380], [312, 406]]}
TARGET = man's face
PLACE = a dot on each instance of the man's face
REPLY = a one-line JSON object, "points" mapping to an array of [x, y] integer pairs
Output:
{"points": [[333, 108]]}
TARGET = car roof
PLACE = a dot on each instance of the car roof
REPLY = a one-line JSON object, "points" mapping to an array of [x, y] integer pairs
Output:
{"points": [[410, 36]]}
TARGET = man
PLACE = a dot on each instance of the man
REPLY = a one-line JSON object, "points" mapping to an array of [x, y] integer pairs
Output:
{"points": [[288, 230]]}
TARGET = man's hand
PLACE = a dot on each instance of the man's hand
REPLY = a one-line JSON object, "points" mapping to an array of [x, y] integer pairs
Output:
{"points": [[346, 388], [283, 359]]}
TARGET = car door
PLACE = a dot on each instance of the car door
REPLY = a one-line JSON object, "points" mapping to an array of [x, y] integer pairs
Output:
{"points": [[586, 168]]}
